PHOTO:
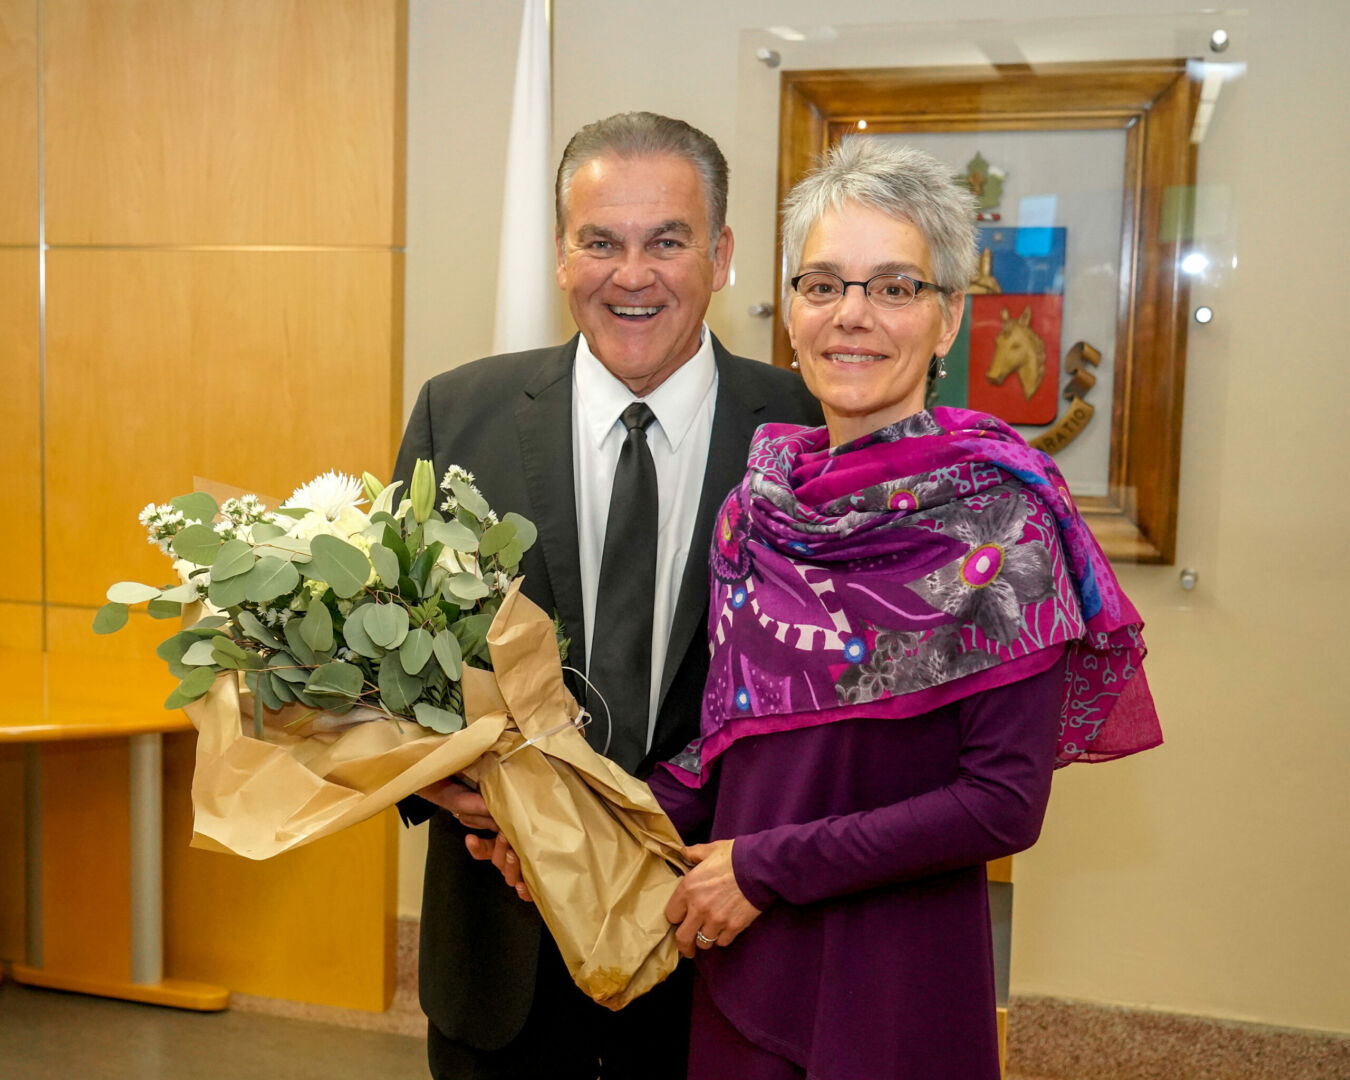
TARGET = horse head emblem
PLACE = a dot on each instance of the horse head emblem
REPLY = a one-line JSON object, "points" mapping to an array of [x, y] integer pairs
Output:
{"points": [[1018, 348]]}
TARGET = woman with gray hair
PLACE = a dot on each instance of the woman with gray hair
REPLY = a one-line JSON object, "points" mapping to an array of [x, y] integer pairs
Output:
{"points": [[911, 627]]}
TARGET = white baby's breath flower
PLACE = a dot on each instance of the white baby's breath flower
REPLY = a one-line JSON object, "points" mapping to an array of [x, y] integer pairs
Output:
{"points": [[329, 495], [454, 473]]}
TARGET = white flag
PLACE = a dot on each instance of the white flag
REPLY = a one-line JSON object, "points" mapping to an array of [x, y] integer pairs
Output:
{"points": [[527, 291]]}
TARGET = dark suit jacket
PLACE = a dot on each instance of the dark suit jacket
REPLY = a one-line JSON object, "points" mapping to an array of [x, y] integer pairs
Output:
{"points": [[508, 420]]}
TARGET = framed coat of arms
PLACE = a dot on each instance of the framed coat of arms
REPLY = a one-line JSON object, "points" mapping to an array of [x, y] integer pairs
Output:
{"points": [[1075, 323]]}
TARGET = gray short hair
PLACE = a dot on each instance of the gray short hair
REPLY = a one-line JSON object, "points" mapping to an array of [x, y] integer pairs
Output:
{"points": [[901, 181], [643, 134]]}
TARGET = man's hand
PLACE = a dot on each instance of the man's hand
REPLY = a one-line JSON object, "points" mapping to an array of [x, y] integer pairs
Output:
{"points": [[471, 811], [462, 801], [707, 905]]}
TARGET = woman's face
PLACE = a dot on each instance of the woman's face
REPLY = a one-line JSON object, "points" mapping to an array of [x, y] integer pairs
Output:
{"points": [[869, 367]]}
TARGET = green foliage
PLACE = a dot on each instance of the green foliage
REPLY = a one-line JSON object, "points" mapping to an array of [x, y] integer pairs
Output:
{"points": [[198, 506], [337, 562], [441, 720], [111, 616], [197, 544], [385, 615]]}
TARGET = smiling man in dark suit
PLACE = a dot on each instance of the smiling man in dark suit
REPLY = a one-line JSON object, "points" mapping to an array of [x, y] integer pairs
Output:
{"points": [[620, 445]]}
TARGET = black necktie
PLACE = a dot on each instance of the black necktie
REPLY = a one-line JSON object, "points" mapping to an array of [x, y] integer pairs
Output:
{"points": [[621, 641]]}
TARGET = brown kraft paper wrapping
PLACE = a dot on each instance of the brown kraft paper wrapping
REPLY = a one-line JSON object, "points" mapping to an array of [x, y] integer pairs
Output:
{"points": [[597, 853]]}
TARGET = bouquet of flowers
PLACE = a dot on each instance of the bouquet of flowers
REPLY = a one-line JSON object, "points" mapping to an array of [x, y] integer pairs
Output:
{"points": [[322, 604], [344, 659]]}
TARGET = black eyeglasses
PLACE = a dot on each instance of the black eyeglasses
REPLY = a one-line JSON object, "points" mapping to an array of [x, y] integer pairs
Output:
{"points": [[820, 288]]}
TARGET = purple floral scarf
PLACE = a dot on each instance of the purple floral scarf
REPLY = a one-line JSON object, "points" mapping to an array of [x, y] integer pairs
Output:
{"points": [[892, 575]]}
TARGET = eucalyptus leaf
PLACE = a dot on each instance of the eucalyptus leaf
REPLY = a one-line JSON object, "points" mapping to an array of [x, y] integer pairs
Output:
{"points": [[283, 665], [197, 683], [317, 627], [270, 578], [293, 548], [386, 565], [185, 593], [496, 538], [441, 720], [265, 530], [337, 562], [251, 625], [415, 651], [296, 512], [452, 534], [445, 646], [398, 689], [171, 650], [354, 632], [335, 679], [229, 593], [472, 634], [207, 626], [387, 625], [163, 609], [228, 654], [199, 505], [111, 617], [299, 648], [464, 588], [281, 689], [131, 592], [261, 681], [197, 544], [235, 557], [468, 498], [526, 533], [511, 554], [202, 653]]}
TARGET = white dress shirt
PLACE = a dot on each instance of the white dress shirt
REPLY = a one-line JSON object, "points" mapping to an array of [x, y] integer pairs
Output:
{"points": [[678, 438]]}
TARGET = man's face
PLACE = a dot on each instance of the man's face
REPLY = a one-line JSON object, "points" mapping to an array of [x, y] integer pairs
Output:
{"points": [[635, 263]]}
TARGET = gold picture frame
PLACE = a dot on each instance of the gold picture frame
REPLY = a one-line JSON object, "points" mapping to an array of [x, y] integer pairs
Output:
{"points": [[1153, 102]]}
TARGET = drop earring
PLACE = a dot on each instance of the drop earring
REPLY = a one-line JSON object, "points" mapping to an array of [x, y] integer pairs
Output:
{"points": [[941, 367]]}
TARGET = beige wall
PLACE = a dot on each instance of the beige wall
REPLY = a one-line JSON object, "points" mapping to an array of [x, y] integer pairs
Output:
{"points": [[1209, 876]]}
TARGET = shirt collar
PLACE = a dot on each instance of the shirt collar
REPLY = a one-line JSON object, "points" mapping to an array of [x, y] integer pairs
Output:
{"points": [[675, 402]]}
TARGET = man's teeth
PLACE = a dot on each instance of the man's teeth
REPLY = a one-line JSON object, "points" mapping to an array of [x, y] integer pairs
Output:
{"points": [[852, 358], [633, 310]]}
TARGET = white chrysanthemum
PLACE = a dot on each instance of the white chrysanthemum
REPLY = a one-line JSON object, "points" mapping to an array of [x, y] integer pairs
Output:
{"points": [[329, 495]]}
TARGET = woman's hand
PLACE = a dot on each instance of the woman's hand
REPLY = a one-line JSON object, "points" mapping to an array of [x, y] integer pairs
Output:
{"points": [[707, 905]]}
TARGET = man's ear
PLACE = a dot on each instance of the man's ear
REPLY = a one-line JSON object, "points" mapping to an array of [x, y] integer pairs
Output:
{"points": [[560, 270], [726, 243]]}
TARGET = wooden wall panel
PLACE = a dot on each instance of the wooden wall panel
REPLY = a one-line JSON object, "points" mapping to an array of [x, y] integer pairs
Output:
{"points": [[20, 626], [18, 122], [317, 924], [195, 121], [255, 369], [20, 404], [12, 943]]}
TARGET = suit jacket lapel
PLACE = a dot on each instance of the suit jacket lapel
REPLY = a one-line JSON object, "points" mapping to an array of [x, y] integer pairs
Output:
{"points": [[737, 413], [544, 424]]}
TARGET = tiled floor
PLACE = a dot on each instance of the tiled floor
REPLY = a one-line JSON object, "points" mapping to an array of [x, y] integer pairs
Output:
{"points": [[47, 1035]]}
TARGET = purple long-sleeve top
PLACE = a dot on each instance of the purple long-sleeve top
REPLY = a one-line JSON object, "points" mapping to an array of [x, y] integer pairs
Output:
{"points": [[864, 842]]}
